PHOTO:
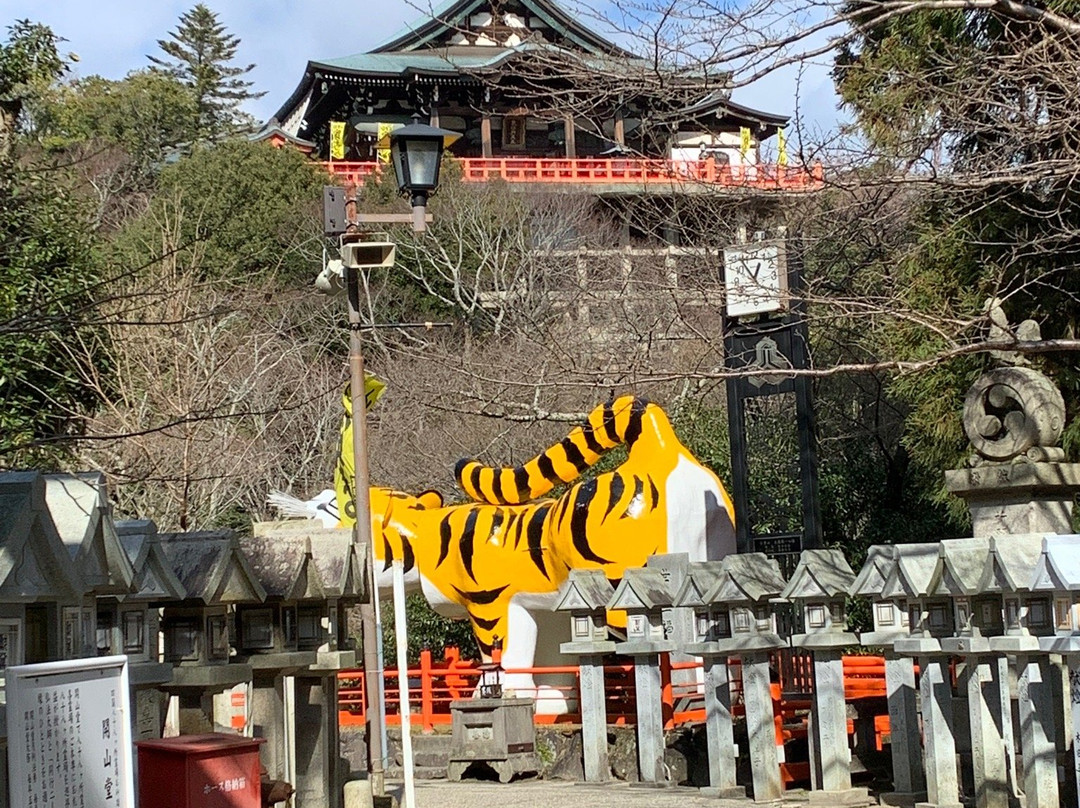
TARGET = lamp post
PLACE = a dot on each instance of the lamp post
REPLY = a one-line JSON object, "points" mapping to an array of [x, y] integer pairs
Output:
{"points": [[416, 153]]}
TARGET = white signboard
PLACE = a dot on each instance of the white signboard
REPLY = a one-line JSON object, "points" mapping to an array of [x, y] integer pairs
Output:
{"points": [[69, 734], [755, 279]]}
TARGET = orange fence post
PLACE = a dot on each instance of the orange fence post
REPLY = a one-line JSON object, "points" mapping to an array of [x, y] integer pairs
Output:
{"points": [[427, 707]]}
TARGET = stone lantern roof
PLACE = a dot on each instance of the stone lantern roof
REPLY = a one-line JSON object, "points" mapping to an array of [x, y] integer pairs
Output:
{"points": [[35, 565], [83, 516], [154, 579], [1058, 565], [820, 574], [748, 578], [912, 572], [585, 591], [879, 564], [328, 554], [211, 567], [702, 577], [961, 567], [1012, 564], [641, 590]]}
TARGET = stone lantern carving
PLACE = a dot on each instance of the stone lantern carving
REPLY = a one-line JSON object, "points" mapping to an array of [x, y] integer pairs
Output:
{"points": [[820, 586], [585, 596], [891, 623], [643, 594]]}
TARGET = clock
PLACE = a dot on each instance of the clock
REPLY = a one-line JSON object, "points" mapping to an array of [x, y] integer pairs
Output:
{"points": [[755, 278]]}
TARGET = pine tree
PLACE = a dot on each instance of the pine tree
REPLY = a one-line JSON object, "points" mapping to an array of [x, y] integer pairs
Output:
{"points": [[200, 51]]}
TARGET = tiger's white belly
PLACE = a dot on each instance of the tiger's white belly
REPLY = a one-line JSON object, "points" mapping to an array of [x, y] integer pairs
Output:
{"points": [[697, 521]]}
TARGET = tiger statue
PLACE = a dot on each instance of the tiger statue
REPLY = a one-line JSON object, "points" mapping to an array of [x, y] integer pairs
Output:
{"points": [[500, 561]]}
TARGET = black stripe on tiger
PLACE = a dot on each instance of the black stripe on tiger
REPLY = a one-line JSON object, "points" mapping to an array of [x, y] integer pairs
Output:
{"points": [[535, 538], [481, 597], [578, 530], [614, 495], [465, 543], [619, 422], [486, 625], [444, 540]]}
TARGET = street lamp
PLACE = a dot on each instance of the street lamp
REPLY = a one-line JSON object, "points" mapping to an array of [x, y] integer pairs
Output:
{"points": [[417, 153]]}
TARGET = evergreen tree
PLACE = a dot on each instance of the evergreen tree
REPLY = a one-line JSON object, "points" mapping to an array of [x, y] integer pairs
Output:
{"points": [[200, 52]]}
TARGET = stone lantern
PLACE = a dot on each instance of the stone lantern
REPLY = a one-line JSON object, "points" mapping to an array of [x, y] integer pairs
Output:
{"points": [[700, 580], [585, 596], [1057, 574], [216, 576], [819, 587], [890, 623], [293, 641], [745, 593], [966, 574], [131, 624], [643, 594], [1028, 618]]}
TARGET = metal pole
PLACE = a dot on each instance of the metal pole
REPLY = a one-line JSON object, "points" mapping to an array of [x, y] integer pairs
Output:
{"points": [[362, 535], [403, 682]]}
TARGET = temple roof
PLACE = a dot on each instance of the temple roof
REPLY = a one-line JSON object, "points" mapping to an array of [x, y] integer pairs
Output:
{"points": [[452, 16]]}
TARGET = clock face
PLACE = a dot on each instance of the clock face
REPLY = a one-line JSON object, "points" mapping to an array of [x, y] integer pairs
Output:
{"points": [[755, 279]]}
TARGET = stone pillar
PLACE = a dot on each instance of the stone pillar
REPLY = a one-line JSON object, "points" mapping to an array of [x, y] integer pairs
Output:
{"points": [[650, 719], [760, 727], [268, 721], [317, 782], [1036, 702], [909, 780], [942, 782], [830, 733], [982, 685], [719, 731], [594, 720]]}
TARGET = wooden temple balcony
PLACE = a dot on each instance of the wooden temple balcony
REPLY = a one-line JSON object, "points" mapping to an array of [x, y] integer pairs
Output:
{"points": [[612, 175]]}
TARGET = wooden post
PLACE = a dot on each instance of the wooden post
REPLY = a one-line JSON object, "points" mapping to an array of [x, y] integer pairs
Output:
{"points": [[568, 132], [485, 134], [620, 128], [434, 119]]}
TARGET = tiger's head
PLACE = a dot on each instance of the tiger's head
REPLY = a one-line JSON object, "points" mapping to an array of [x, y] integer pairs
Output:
{"points": [[394, 531]]}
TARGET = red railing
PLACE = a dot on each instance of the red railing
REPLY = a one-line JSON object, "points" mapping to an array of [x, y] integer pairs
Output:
{"points": [[611, 171], [433, 687]]}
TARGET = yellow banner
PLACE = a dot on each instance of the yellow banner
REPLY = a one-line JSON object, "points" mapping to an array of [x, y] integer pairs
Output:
{"points": [[384, 131], [337, 140], [344, 474], [744, 140], [781, 147]]}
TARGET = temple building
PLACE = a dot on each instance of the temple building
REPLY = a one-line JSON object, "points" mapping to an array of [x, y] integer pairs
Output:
{"points": [[540, 99]]}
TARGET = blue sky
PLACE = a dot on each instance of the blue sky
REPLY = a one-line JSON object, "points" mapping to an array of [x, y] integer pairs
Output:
{"points": [[112, 37]]}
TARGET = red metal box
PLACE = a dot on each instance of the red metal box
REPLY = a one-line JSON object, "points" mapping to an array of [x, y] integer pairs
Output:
{"points": [[200, 771]]}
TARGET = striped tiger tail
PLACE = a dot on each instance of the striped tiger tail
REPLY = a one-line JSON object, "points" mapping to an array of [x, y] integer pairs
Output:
{"points": [[609, 425]]}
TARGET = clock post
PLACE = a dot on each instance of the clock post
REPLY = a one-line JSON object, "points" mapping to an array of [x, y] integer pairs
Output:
{"points": [[770, 414]]}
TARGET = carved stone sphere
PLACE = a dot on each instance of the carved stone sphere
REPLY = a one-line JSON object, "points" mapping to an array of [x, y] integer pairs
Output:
{"points": [[1012, 410]]}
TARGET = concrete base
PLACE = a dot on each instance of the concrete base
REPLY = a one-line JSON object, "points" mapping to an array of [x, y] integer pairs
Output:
{"points": [[939, 805], [733, 793], [849, 796], [902, 799]]}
